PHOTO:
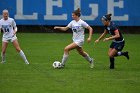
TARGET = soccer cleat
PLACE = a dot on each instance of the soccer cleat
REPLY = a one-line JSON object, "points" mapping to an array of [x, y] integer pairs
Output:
{"points": [[92, 63], [62, 66], [126, 55], [26, 62], [111, 67], [3, 62]]}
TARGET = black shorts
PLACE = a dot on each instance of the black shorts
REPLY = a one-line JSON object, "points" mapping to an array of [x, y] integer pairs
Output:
{"points": [[117, 45]]}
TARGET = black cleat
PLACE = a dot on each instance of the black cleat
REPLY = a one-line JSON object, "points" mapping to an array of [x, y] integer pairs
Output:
{"points": [[111, 67], [126, 55]]}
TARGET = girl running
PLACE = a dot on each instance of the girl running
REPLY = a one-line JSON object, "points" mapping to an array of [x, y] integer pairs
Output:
{"points": [[78, 27], [118, 40], [9, 29]]}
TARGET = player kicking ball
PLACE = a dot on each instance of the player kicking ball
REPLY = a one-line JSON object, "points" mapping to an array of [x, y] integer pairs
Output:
{"points": [[9, 29], [78, 27], [118, 43]]}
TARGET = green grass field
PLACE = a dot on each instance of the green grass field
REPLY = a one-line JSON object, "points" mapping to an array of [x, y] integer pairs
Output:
{"points": [[40, 77]]}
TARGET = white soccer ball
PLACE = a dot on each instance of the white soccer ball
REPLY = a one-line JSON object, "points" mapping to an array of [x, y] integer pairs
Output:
{"points": [[56, 64]]}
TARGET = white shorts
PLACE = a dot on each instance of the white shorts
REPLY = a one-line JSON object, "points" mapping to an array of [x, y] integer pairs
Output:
{"points": [[9, 39], [79, 43]]}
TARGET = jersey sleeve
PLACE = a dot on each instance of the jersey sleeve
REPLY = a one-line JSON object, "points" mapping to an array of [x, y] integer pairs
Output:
{"points": [[114, 27], [84, 24], [70, 25], [14, 23]]}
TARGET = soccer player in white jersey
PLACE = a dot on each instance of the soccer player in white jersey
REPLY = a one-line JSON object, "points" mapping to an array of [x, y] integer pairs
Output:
{"points": [[78, 27], [9, 28]]}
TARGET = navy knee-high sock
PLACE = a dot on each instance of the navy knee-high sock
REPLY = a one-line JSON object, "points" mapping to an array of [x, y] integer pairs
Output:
{"points": [[112, 62]]}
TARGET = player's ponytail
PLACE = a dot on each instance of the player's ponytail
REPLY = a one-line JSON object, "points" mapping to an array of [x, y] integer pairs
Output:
{"points": [[107, 17], [77, 12]]}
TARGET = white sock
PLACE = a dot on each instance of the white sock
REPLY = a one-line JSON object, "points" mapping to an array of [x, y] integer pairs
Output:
{"points": [[119, 53], [64, 59], [3, 57], [88, 58], [21, 53]]}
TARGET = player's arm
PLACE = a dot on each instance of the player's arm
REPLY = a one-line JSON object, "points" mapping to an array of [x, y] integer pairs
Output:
{"points": [[15, 30], [14, 27], [64, 28], [101, 37], [0, 28], [61, 28], [90, 33], [117, 35]]}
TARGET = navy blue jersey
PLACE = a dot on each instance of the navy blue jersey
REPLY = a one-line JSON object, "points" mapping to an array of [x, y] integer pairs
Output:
{"points": [[111, 30]]}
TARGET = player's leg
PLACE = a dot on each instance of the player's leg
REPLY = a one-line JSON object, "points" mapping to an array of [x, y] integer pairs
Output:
{"points": [[3, 53], [111, 53], [86, 56], [18, 49], [110, 57], [66, 52], [120, 53], [119, 47]]}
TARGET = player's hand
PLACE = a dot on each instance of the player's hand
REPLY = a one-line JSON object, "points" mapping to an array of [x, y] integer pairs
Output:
{"points": [[106, 39], [96, 41], [89, 40]]}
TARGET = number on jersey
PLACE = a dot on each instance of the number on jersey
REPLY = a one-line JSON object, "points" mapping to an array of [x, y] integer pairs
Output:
{"points": [[74, 30], [5, 28]]}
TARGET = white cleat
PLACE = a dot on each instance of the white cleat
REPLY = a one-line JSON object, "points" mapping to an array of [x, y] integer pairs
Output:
{"points": [[92, 63], [62, 65], [26, 62], [3, 62]]}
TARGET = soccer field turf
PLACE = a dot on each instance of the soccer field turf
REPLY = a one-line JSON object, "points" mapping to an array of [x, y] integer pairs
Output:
{"points": [[40, 77]]}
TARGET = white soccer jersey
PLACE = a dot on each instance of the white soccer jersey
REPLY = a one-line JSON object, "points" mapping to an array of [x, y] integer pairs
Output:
{"points": [[8, 27], [78, 29]]}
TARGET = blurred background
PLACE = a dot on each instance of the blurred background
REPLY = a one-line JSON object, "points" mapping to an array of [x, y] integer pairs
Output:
{"points": [[43, 15]]}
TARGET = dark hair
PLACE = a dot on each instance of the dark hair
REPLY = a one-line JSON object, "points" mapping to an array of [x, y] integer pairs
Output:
{"points": [[108, 17], [77, 12]]}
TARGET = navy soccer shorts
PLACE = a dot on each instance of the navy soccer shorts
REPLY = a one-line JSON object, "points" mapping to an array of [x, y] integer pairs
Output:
{"points": [[117, 45]]}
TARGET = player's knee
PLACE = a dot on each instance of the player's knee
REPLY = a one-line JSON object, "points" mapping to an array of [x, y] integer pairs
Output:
{"points": [[3, 52], [66, 49], [110, 55], [18, 49]]}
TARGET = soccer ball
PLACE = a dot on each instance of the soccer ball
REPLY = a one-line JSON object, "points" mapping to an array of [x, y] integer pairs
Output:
{"points": [[56, 64]]}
